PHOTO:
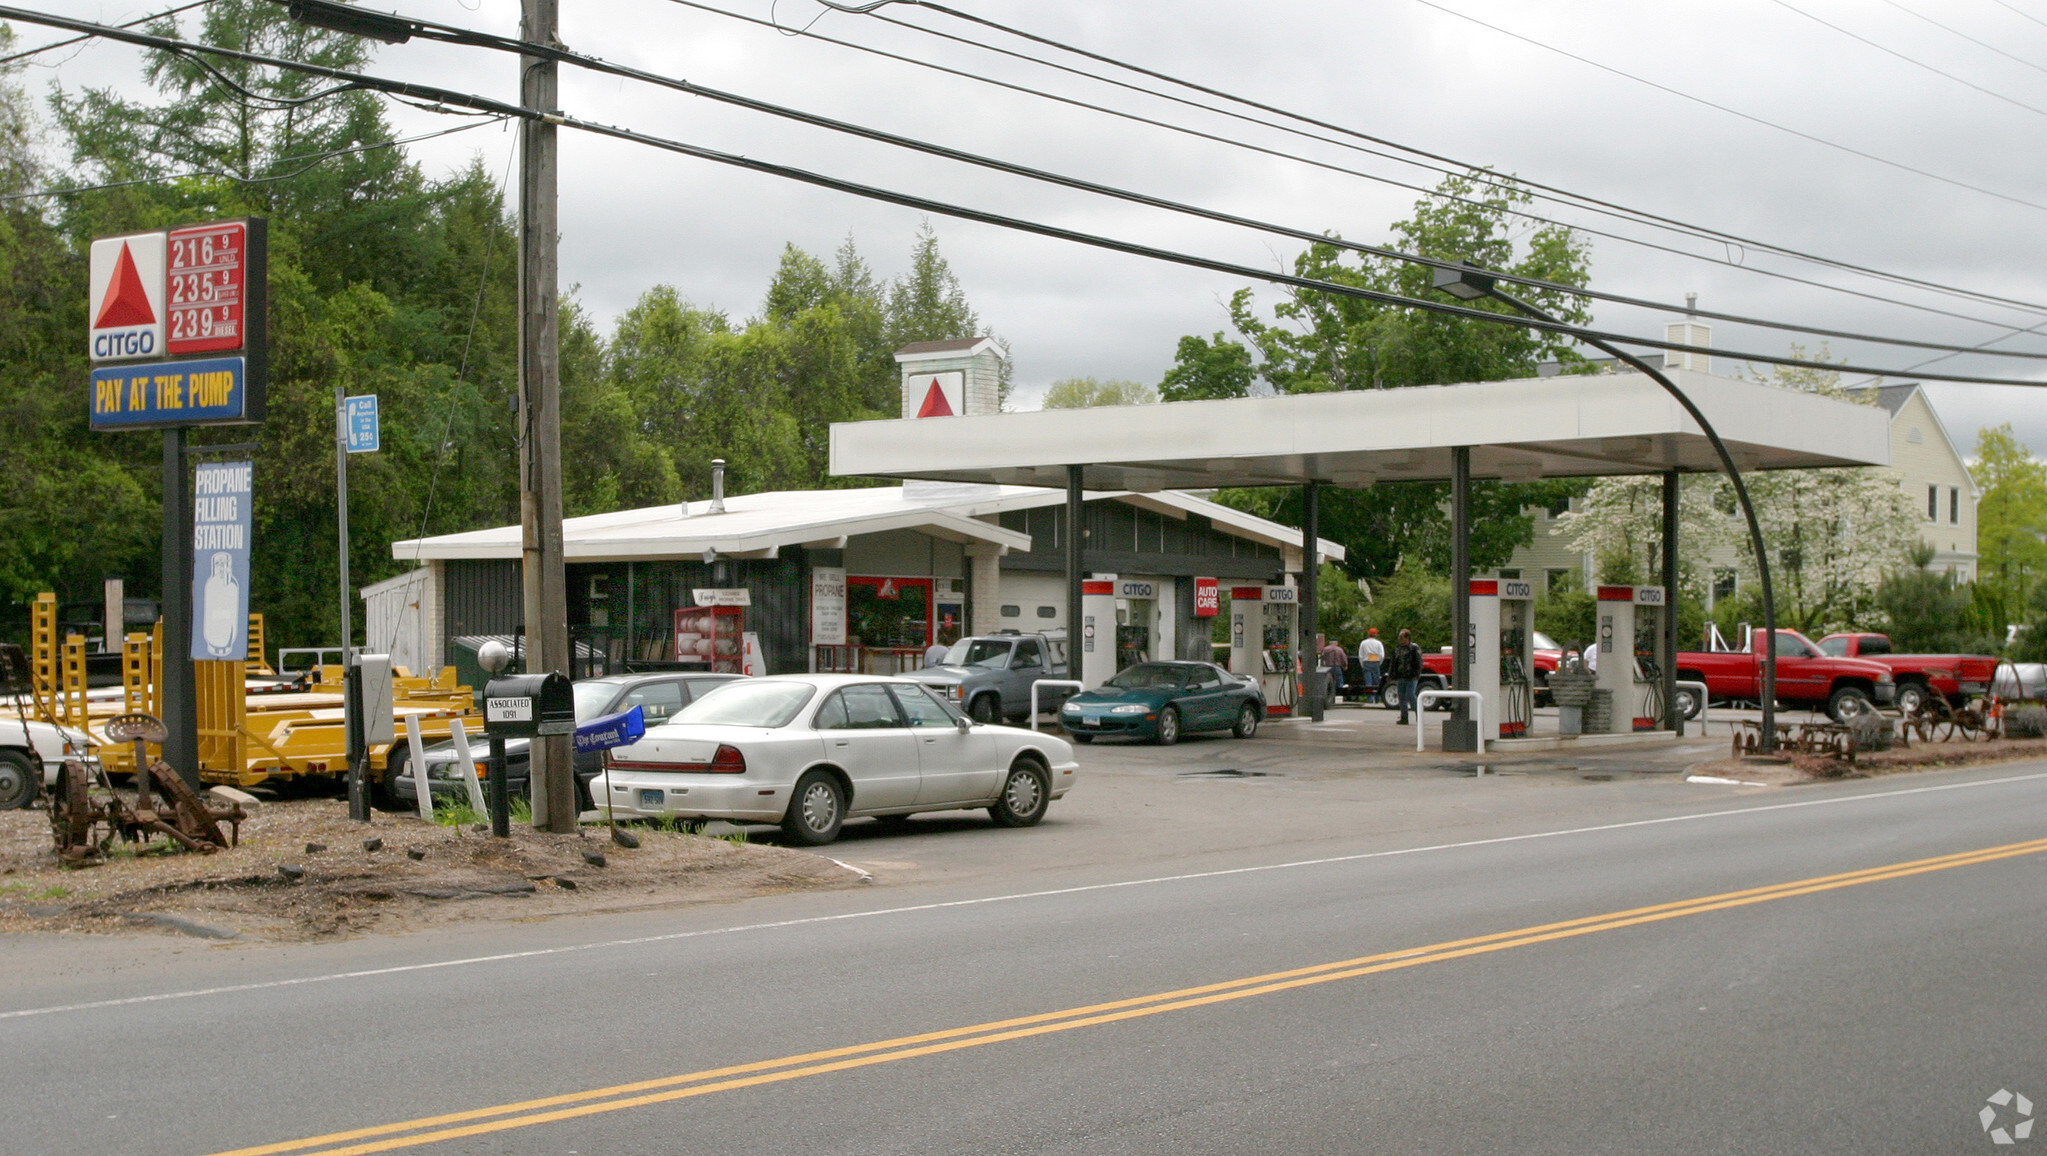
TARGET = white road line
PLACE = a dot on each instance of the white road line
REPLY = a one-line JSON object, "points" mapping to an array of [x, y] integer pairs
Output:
{"points": [[670, 937]]}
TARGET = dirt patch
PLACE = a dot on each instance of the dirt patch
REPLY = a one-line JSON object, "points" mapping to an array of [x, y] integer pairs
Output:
{"points": [[394, 873], [1917, 757]]}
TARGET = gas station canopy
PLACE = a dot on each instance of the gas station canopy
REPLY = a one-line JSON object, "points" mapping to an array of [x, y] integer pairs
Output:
{"points": [[1565, 426]]}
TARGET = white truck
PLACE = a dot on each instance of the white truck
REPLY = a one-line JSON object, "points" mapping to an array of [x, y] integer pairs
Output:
{"points": [[31, 751]]}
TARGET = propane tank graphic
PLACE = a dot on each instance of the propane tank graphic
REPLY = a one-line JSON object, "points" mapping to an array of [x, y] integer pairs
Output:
{"points": [[222, 602]]}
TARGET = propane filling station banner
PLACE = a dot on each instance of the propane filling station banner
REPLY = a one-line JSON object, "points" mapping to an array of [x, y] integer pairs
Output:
{"points": [[222, 520]]}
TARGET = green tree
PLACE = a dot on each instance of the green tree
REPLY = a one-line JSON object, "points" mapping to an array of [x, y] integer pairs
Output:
{"points": [[1929, 613], [1205, 368], [2011, 524], [929, 304], [1087, 393]]}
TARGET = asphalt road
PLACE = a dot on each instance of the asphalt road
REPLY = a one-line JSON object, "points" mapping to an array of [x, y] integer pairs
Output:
{"points": [[1628, 966]]}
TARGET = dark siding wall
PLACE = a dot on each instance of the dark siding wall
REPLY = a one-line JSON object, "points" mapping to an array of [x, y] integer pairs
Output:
{"points": [[1126, 540], [482, 597]]}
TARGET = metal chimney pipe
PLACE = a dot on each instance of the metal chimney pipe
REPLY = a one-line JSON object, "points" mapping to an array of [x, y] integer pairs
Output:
{"points": [[717, 486]]}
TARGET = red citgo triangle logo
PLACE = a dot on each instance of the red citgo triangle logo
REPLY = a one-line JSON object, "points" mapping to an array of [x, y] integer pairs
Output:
{"points": [[127, 302], [935, 404]]}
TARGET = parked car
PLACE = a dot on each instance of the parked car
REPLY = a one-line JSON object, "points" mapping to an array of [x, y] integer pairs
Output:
{"points": [[1805, 676], [989, 676], [658, 696], [810, 751], [1957, 677], [31, 752], [1161, 701]]}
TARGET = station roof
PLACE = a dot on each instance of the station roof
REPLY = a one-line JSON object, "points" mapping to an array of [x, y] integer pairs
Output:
{"points": [[759, 525], [1565, 426]]}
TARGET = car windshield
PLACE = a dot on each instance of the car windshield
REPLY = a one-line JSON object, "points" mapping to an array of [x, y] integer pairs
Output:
{"points": [[1834, 647], [592, 698], [992, 653], [748, 702], [1148, 675], [1544, 641]]}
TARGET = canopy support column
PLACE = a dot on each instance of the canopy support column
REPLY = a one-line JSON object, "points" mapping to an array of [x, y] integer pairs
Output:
{"points": [[1317, 692], [1075, 515], [1674, 719], [1460, 585]]}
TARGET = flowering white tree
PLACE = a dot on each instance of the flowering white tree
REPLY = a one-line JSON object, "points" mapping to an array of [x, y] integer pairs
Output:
{"points": [[1832, 534]]}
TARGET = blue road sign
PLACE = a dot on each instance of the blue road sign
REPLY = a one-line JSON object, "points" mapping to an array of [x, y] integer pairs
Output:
{"points": [[613, 730], [365, 430]]}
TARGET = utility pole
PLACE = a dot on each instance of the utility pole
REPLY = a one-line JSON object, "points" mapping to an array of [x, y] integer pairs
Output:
{"points": [[552, 784]]}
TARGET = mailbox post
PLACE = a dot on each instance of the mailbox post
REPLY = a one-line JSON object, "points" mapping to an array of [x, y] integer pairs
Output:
{"points": [[532, 705]]}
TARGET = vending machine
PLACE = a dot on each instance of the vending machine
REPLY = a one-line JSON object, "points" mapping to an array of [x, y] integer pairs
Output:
{"points": [[1651, 659], [1501, 651]]}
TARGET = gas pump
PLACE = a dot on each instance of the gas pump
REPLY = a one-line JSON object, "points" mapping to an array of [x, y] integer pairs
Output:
{"points": [[1650, 660], [1614, 644], [1503, 654], [1097, 631], [1247, 630], [1278, 673]]}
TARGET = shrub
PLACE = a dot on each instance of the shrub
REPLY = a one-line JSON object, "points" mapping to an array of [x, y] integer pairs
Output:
{"points": [[2026, 722]]}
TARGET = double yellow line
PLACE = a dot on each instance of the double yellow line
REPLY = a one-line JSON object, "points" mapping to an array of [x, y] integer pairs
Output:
{"points": [[618, 1097]]}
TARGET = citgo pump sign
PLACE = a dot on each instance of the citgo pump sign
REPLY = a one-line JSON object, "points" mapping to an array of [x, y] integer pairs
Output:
{"points": [[177, 331]]}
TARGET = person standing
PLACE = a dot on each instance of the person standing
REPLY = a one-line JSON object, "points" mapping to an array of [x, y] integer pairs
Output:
{"points": [[1337, 659], [1371, 657], [1405, 669], [934, 654]]}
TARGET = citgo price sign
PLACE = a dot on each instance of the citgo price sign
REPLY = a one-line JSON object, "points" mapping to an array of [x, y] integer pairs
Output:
{"points": [[208, 278]]}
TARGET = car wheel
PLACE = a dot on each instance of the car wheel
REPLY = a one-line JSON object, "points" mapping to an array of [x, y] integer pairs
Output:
{"points": [[1080, 738], [816, 808], [18, 781], [1389, 696], [1169, 726], [384, 788], [1025, 796], [1848, 702], [1247, 721], [984, 709], [1912, 697], [1688, 704]]}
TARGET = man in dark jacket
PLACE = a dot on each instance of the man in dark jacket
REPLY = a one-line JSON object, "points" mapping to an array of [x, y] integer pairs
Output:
{"points": [[1405, 671]]}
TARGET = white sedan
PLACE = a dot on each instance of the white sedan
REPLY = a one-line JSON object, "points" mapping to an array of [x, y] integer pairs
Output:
{"points": [[810, 751], [31, 753]]}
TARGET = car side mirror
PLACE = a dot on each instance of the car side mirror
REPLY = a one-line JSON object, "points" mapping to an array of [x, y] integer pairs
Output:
{"points": [[963, 724]]}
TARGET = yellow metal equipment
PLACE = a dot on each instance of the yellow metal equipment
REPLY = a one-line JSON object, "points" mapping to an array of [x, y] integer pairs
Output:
{"points": [[244, 738]]}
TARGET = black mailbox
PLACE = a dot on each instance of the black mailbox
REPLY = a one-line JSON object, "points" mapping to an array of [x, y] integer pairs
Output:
{"points": [[529, 704]]}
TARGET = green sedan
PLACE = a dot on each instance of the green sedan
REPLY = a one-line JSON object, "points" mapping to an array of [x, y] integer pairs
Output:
{"points": [[1161, 701]]}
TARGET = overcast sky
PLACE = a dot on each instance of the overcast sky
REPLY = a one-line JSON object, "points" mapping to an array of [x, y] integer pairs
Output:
{"points": [[1404, 70]]}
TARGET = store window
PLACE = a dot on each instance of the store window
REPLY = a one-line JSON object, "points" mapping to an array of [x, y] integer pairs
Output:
{"points": [[889, 613]]}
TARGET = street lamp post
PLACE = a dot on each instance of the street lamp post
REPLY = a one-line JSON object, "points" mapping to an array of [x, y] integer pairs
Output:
{"points": [[1470, 282]]}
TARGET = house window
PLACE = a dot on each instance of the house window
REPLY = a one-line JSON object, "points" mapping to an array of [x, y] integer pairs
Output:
{"points": [[1510, 573], [1560, 507], [1954, 505], [1723, 584], [1933, 503], [1559, 581]]}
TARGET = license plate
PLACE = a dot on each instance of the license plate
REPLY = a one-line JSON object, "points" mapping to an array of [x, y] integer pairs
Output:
{"points": [[1091, 722], [653, 798]]}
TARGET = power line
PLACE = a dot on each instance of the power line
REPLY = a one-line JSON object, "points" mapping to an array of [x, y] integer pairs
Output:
{"points": [[1911, 60], [427, 29], [1971, 39], [1735, 112], [313, 160], [492, 106], [1724, 239], [82, 39], [1559, 195], [2021, 12]]}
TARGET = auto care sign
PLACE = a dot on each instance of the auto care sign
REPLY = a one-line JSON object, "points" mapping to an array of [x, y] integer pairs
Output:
{"points": [[222, 519], [176, 326], [1207, 598]]}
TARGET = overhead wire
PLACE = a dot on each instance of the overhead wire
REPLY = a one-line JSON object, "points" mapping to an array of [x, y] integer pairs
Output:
{"points": [[433, 30], [1523, 214], [1908, 59], [135, 23], [485, 104], [1480, 173], [314, 160], [1952, 31]]}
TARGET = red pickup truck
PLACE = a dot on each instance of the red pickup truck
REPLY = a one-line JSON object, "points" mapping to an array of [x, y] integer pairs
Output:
{"points": [[1806, 676], [1958, 677], [1436, 672]]}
